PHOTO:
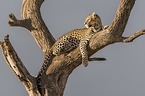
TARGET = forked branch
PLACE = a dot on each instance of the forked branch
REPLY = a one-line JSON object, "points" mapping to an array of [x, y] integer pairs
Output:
{"points": [[31, 19], [26, 23]]}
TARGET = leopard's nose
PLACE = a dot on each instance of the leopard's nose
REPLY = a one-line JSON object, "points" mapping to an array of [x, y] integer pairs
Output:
{"points": [[90, 25]]}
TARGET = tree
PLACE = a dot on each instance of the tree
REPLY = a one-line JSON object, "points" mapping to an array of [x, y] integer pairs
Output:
{"points": [[31, 20]]}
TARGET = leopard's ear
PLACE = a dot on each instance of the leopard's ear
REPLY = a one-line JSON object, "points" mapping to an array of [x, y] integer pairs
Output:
{"points": [[95, 15]]}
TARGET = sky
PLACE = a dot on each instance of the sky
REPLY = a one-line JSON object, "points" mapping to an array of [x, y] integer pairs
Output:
{"points": [[122, 74]]}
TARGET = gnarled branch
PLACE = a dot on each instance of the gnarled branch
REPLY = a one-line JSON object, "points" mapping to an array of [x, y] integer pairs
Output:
{"points": [[18, 67], [26, 23], [31, 19]]}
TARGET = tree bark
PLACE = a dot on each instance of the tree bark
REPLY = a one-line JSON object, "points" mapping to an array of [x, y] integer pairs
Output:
{"points": [[55, 78]]}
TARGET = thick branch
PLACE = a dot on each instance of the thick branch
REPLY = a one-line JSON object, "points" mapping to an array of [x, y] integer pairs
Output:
{"points": [[31, 19], [119, 23], [17, 66]]}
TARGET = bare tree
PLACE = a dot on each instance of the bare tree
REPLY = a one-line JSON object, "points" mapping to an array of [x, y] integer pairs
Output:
{"points": [[61, 66]]}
